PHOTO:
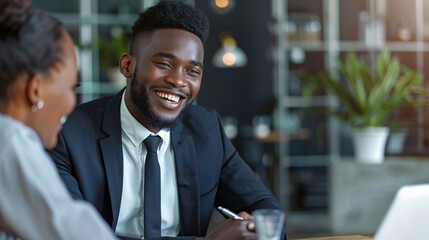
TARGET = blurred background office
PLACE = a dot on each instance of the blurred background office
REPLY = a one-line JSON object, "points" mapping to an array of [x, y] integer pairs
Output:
{"points": [[253, 57]]}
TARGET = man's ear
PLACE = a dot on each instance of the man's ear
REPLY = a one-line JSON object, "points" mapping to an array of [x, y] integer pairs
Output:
{"points": [[34, 89], [127, 64]]}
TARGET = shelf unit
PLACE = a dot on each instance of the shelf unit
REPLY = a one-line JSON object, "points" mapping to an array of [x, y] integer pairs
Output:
{"points": [[395, 46], [332, 46]]}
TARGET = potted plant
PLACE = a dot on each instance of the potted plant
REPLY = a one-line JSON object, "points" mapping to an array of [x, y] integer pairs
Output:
{"points": [[110, 50], [368, 96]]}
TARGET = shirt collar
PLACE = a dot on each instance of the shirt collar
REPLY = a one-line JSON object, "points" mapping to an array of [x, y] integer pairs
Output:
{"points": [[135, 130]]}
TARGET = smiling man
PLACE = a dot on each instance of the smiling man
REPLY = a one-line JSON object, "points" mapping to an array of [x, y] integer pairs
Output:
{"points": [[165, 68], [153, 164]]}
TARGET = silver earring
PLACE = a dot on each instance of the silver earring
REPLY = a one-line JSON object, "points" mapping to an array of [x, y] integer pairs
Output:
{"points": [[39, 105]]}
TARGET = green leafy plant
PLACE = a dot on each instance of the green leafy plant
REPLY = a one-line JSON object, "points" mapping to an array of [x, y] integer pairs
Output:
{"points": [[367, 97], [111, 49]]}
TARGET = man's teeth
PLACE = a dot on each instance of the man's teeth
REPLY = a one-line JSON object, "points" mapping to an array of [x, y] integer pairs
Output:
{"points": [[169, 97]]}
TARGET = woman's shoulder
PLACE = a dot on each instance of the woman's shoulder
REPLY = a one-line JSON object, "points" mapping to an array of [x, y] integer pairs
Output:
{"points": [[10, 127], [15, 136]]}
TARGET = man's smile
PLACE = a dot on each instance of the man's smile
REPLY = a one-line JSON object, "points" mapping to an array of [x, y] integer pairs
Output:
{"points": [[168, 96], [170, 99]]}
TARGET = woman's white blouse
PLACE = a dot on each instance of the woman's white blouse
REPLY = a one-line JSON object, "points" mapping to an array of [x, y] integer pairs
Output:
{"points": [[34, 202]]}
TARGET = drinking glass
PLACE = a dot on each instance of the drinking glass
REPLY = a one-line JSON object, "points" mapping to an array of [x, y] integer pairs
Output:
{"points": [[269, 223]]}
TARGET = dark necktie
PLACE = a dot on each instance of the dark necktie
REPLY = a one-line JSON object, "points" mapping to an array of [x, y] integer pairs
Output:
{"points": [[152, 190]]}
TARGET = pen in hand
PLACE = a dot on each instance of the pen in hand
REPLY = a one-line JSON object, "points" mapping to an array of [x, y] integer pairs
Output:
{"points": [[229, 213]]}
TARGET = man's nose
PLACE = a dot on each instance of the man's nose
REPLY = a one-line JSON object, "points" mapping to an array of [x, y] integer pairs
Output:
{"points": [[177, 78]]}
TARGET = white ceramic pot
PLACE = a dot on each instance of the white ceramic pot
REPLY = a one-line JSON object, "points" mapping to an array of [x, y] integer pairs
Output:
{"points": [[369, 144]]}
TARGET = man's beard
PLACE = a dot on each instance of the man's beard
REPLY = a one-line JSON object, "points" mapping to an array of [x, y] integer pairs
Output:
{"points": [[140, 98]]}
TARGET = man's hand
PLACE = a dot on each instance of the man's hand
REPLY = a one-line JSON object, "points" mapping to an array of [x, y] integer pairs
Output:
{"points": [[245, 215], [250, 226], [233, 229]]}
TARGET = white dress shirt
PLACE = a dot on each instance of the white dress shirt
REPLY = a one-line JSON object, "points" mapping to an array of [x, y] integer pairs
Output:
{"points": [[131, 213], [34, 202]]}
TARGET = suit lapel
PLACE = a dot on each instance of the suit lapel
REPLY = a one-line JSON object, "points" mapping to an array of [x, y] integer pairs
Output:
{"points": [[187, 182], [111, 149]]}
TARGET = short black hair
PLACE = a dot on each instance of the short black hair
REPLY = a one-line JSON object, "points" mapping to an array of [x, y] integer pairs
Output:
{"points": [[172, 14], [29, 41]]}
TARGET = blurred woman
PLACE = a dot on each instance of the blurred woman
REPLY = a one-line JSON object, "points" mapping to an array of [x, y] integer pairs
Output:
{"points": [[38, 74]]}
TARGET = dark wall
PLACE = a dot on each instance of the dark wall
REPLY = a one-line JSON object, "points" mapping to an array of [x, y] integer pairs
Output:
{"points": [[240, 92]]}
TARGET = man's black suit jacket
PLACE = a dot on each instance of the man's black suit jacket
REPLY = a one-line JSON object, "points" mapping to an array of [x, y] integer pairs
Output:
{"points": [[209, 170]]}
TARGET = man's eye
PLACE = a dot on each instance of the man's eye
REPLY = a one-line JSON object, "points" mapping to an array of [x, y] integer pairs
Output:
{"points": [[164, 64], [194, 71]]}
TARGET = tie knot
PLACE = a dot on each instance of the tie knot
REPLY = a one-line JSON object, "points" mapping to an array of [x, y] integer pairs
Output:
{"points": [[152, 143]]}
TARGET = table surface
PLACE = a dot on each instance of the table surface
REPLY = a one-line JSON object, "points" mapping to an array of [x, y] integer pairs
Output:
{"points": [[348, 237]]}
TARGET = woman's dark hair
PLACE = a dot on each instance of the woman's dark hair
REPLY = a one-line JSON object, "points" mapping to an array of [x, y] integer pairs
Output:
{"points": [[28, 41], [172, 14]]}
